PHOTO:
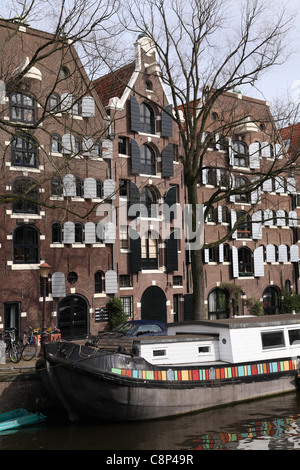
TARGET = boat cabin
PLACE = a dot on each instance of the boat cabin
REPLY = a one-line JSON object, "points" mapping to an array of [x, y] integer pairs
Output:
{"points": [[234, 340]]}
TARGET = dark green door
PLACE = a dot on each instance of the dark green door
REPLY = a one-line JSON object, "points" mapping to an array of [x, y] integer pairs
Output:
{"points": [[154, 304], [72, 316]]}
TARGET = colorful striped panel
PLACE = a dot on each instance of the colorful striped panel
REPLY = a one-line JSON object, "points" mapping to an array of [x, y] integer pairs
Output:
{"points": [[212, 373]]}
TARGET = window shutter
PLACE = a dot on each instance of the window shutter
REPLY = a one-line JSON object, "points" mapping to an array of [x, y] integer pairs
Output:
{"points": [[109, 233], [111, 282], [254, 162], [230, 152], [206, 255], [87, 146], [170, 200], [134, 200], [134, 114], [90, 188], [259, 270], [282, 254], [221, 253], [90, 233], [235, 262], [291, 185], [136, 252], [167, 122], [109, 189], [220, 214], [88, 106], [233, 221], [232, 181], [100, 231], [278, 151], [280, 218], [69, 232], [135, 157], [279, 184], [294, 253], [270, 254], [66, 102], [268, 185], [58, 285], [167, 158], [268, 217], [69, 185], [107, 149], [293, 219], [204, 175], [68, 143], [265, 149], [257, 225], [171, 253]]}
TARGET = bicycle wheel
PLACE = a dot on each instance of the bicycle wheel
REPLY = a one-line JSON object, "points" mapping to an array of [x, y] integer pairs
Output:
{"points": [[29, 351], [15, 353]]}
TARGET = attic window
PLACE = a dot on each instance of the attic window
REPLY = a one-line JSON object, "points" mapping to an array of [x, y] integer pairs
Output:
{"points": [[149, 85], [64, 72]]}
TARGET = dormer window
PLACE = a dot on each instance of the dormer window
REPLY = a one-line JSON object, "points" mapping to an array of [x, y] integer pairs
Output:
{"points": [[22, 108]]}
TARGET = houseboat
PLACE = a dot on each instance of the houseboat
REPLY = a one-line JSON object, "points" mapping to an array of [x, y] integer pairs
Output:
{"points": [[198, 365]]}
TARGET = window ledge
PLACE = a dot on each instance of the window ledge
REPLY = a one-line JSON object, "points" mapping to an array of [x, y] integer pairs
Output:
{"points": [[20, 267], [57, 245]]}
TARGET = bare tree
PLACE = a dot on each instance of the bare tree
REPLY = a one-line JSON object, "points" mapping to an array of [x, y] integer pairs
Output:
{"points": [[207, 48]]}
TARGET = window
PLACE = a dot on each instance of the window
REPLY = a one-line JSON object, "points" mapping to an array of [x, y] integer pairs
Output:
{"points": [[148, 200], [77, 106], [149, 252], [274, 339], [56, 232], [147, 119], [123, 188], [127, 305], [123, 145], [78, 145], [79, 187], [99, 282], [24, 151], [159, 352], [177, 281], [148, 160], [78, 232], [64, 72], [56, 145], [27, 193], [245, 262], [22, 108], [211, 176], [226, 253], [241, 185], [54, 103], [244, 227], [124, 244], [25, 245], [294, 337], [211, 215], [218, 304], [225, 215], [224, 178], [99, 189], [240, 154], [125, 280], [56, 187], [72, 277]]}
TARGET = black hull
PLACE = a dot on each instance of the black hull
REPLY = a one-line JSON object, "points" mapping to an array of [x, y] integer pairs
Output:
{"points": [[81, 380]]}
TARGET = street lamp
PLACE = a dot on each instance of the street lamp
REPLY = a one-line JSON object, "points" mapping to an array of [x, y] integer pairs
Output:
{"points": [[44, 273]]}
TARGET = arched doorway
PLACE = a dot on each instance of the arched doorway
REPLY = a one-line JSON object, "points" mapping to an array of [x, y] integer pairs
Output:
{"points": [[218, 304], [271, 300], [72, 316], [154, 304]]}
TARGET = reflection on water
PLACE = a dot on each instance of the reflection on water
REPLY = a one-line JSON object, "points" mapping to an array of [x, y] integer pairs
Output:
{"points": [[271, 424]]}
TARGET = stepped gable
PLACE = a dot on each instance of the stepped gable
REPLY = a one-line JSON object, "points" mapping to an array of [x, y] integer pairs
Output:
{"points": [[113, 84]]}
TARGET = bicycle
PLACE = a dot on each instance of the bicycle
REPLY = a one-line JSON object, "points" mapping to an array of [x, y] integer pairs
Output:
{"points": [[29, 346], [12, 349]]}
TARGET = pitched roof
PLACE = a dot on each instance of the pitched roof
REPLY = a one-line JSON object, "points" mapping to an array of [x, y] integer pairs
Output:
{"points": [[113, 84], [291, 135]]}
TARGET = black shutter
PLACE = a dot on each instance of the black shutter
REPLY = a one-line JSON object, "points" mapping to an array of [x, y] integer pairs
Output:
{"points": [[134, 114], [171, 200], [135, 157], [167, 158], [134, 198], [136, 251], [167, 122], [188, 307], [172, 253]]}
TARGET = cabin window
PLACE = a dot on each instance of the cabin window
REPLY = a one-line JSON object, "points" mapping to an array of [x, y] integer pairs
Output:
{"points": [[203, 349], [159, 352], [274, 339], [294, 337]]}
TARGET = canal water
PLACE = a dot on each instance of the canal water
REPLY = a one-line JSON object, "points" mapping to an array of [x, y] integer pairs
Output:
{"points": [[269, 424]]}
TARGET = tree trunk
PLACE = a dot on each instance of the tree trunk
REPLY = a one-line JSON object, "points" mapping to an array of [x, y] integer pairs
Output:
{"points": [[197, 260]]}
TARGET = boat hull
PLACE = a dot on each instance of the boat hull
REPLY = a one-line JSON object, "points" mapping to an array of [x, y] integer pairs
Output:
{"points": [[100, 385]]}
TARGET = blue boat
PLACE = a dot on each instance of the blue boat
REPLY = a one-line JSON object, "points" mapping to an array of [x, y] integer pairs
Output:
{"points": [[19, 418]]}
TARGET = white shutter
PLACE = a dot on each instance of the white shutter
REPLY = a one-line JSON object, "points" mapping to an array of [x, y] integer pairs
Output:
{"points": [[204, 175], [206, 255], [265, 149], [282, 254], [230, 152], [90, 233], [254, 162], [68, 143], [270, 254], [66, 102], [219, 214], [294, 253], [58, 285], [107, 149], [280, 218], [235, 262], [259, 270], [279, 184], [69, 185], [69, 232], [221, 253], [233, 221], [217, 138], [109, 233], [293, 219], [111, 282], [232, 185], [87, 146], [88, 106], [278, 151], [90, 188], [257, 225], [268, 185], [109, 189], [268, 217], [291, 185]]}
